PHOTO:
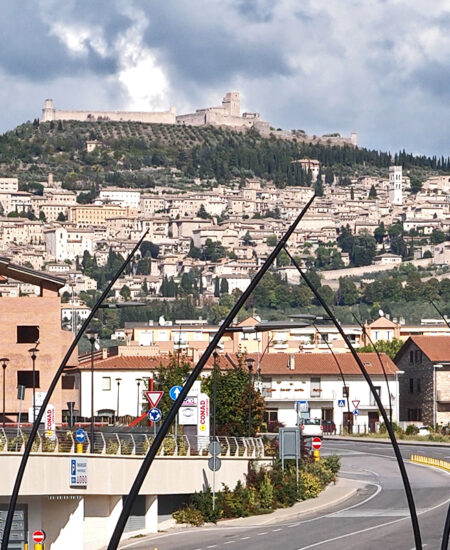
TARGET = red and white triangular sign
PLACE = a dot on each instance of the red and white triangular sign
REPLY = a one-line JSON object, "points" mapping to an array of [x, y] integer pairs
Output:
{"points": [[355, 403], [154, 397]]}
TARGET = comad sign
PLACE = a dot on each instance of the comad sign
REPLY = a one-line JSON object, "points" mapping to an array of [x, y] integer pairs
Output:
{"points": [[203, 414]]}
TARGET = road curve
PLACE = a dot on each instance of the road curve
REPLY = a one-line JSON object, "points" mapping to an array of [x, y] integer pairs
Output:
{"points": [[376, 518]]}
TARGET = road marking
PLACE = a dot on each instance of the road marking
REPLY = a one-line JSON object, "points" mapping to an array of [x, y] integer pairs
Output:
{"points": [[260, 534], [276, 530], [230, 542], [212, 546], [244, 538]]}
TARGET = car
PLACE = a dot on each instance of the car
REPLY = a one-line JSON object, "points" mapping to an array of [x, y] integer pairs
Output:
{"points": [[311, 427], [329, 427], [424, 430]]}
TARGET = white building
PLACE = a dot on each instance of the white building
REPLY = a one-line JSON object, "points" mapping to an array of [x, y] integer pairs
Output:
{"points": [[123, 197], [395, 185]]}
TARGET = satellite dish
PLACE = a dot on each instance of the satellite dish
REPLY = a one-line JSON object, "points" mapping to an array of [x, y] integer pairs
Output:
{"points": [[381, 313]]}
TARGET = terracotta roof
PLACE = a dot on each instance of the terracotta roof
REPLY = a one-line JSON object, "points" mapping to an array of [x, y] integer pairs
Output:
{"points": [[139, 362], [382, 322], [322, 363], [436, 348]]}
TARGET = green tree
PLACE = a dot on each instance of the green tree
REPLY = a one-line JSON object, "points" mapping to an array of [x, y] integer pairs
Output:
{"points": [[437, 236], [148, 248], [416, 184], [125, 292], [224, 287], [233, 386], [272, 240], [373, 192], [363, 250], [202, 213], [380, 233], [389, 347], [347, 293], [217, 287], [247, 240], [318, 187], [61, 217], [398, 246], [174, 373], [42, 216]]}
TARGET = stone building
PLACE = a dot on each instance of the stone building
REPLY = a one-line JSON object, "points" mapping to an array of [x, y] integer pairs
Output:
{"points": [[425, 382]]}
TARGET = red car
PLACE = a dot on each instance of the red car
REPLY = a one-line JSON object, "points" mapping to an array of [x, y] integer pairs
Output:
{"points": [[328, 426]]}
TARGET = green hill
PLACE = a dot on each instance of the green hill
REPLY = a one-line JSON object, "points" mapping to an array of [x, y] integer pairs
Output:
{"points": [[142, 155]]}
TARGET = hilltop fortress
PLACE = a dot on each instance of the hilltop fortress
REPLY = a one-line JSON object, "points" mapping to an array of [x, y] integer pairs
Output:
{"points": [[228, 114]]}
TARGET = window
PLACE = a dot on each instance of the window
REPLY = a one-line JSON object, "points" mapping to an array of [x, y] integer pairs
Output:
{"points": [[372, 398], [106, 383], [415, 414], [27, 334], [411, 385], [315, 387], [418, 356], [68, 382], [25, 378], [345, 391], [411, 357], [419, 385]]}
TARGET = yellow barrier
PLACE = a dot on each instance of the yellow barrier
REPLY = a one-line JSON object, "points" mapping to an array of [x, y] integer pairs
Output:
{"points": [[436, 462]]}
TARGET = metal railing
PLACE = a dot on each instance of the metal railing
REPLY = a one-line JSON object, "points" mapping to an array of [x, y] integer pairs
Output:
{"points": [[129, 444]]}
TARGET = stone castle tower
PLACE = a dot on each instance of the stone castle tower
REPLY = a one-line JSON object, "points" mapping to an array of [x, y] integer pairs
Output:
{"points": [[395, 185], [232, 103]]}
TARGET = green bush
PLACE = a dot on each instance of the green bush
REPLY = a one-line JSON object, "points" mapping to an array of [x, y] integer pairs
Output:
{"points": [[309, 485], [397, 429], [112, 447], [333, 463], [189, 514], [411, 430]]}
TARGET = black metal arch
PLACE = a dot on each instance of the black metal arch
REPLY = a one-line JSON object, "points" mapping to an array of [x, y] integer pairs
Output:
{"points": [[26, 454], [148, 460]]}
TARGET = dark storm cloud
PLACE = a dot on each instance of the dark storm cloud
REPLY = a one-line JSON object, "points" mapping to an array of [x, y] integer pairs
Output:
{"points": [[379, 68]]}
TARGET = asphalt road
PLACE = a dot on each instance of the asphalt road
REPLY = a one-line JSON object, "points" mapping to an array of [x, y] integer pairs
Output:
{"points": [[377, 518]]}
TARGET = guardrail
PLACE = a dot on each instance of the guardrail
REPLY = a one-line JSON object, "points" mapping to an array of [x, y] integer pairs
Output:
{"points": [[129, 444], [436, 462]]}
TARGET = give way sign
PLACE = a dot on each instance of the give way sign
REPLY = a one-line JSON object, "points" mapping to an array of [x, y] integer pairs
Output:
{"points": [[154, 397]]}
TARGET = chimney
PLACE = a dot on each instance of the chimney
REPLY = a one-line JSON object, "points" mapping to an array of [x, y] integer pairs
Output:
{"points": [[291, 362]]}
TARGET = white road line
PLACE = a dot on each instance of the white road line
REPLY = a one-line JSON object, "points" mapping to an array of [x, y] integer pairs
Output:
{"points": [[260, 534], [230, 542], [276, 530], [212, 546], [244, 538]]}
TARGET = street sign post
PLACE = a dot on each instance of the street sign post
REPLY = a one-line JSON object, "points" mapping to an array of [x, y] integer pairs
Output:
{"points": [[302, 406], [175, 392], [154, 397], [39, 536], [214, 463], [154, 414]]}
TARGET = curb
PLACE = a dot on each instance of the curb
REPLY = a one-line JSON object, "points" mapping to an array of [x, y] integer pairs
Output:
{"points": [[387, 441], [428, 461]]}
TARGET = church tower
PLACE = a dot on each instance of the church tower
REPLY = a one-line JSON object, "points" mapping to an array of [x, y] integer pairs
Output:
{"points": [[232, 103], [395, 185]]}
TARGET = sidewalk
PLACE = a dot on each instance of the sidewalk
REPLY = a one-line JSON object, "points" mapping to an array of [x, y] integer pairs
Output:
{"points": [[334, 494], [385, 440]]}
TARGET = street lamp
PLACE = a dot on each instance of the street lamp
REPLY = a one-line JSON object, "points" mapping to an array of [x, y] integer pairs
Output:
{"points": [[118, 380], [250, 362], [4, 361], [33, 354], [138, 380], [92, 337]]}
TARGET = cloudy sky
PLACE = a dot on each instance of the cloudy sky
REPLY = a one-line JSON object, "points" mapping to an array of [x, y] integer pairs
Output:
{"points": [[377, 67]]}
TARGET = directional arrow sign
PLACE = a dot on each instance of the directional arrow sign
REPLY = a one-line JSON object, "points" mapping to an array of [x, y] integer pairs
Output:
{"points": [[175, 392], [355, 403], [154, 397]]}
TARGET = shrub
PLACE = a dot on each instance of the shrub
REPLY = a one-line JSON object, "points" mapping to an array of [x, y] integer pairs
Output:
{"points": [[397, 429], [333, 463], [309, 485], [189, 514], [112, 447], [266, 493], [411, 430]]}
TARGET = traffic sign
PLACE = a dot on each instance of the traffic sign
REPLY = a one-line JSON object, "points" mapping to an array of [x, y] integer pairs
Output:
{"points": [[154, 397], [355, 403], [154, 415], [175, 392], [80, 436], [302, 406], [316, 443], [341, 402], [78, 472], [215, 448], [356, 412], [214, 463], [39, 536]]}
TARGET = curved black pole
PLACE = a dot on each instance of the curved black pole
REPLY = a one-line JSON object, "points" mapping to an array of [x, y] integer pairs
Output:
{"points": [[446, 533], [398, 455], [148, 460], [341, 372], [363, 328], [26, 454]]}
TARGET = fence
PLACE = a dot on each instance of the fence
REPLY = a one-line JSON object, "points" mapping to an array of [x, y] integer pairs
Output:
{"points": [[129, 444], [436, 462]]}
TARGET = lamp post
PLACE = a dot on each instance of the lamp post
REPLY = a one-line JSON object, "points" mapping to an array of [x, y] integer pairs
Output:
{"points": [[4, 361], [250, 362], [33, 354], [138, 381], [92, 337], [118, 380]]}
